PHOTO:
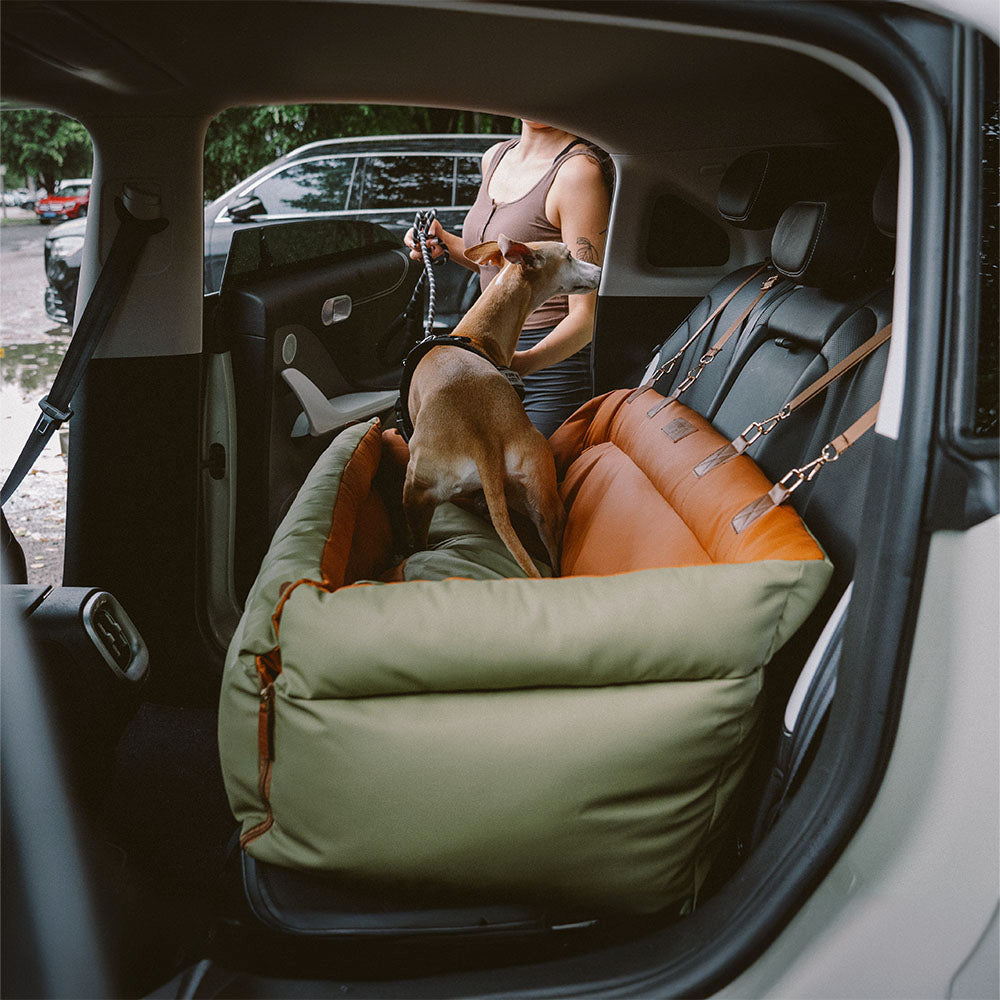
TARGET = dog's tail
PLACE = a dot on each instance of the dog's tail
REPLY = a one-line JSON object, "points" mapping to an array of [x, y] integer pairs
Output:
{"points": [[496, 502]]}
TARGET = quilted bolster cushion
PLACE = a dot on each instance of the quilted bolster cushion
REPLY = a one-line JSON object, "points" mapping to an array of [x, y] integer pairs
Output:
{"points": [[571, 740]]}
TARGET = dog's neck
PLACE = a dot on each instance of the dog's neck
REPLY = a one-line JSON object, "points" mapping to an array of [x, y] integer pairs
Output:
{"points": [[494, 322]]}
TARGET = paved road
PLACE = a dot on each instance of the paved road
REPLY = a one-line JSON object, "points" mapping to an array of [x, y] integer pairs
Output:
{"points": [[32, 347], [22, 285]]}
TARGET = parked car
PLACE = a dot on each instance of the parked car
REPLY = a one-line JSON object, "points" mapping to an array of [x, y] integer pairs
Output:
{"points": [[18, 198], [383, 180], [62, 256], [70, 201], [861, 855]]}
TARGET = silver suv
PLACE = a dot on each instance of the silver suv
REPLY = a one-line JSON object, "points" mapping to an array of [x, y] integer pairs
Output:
{"points": [[384, 180]]}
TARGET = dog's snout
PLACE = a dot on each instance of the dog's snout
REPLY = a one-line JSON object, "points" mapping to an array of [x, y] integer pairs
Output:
{"points": [[588, 277]]}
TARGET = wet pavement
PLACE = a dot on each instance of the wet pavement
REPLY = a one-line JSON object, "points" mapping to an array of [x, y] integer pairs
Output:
{"points": [[31, 348]]}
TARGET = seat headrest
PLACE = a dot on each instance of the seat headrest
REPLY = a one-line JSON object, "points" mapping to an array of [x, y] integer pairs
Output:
{"points": [[884, 199], [759, 186], [824, 243]]}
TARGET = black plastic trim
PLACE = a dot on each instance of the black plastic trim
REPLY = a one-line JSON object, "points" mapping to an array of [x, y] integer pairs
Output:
{"points": [[966, 486], [132, 508]]}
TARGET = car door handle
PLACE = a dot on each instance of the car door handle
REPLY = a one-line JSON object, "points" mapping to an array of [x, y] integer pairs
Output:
{"points": [[321, 415]]}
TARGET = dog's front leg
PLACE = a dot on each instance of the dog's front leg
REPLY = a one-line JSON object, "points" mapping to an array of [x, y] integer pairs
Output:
{"points": [[419, 504]]}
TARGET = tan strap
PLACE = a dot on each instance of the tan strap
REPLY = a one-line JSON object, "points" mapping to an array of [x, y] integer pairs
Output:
{"points": [[759, 428], [790, 482], [854, 358], [858, 429], [709, 356], [667, 366]]}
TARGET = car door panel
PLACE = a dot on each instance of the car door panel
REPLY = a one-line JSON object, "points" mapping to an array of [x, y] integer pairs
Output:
{"points": [[304, 337]]}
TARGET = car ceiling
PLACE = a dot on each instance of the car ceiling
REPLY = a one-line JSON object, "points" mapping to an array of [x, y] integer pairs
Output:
{"points": [[633, 89]]}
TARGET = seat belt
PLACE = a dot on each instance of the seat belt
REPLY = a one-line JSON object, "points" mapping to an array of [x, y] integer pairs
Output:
{"points": [[139, 218]]}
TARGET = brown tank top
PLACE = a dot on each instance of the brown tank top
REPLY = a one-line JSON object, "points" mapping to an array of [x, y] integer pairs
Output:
{"points": [[523, 219]]}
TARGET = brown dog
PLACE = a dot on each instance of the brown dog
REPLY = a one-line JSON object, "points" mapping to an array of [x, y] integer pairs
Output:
{"points": [[470, 431]]}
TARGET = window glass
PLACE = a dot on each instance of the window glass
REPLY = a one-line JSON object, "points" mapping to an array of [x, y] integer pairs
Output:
{"points": [[681, 236], [73, 190], [407, 181], [308, 186], [470, 175]]}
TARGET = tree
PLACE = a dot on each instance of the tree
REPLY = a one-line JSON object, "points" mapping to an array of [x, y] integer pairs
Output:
{"points": [[45, 146], [241, 140]]}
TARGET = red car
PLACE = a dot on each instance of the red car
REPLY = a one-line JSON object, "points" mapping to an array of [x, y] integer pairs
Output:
{"points": [[70, 201]]}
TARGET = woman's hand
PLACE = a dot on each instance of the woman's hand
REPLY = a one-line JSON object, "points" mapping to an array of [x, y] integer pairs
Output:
{"points": [[436, 246], [440, 241], [521, 363]]}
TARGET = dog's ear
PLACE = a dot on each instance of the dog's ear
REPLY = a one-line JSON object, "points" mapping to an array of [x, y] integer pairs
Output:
{"points": [[516, 253], [485, 253]]}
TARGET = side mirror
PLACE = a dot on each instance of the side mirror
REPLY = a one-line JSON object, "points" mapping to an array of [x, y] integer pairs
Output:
{"points": [[245, 208]]}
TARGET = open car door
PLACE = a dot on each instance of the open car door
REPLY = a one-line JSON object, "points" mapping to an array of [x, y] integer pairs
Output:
{"points": [[306, 340]]}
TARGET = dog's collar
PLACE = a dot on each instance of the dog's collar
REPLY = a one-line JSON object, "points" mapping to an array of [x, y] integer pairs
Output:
{"points": [[410, 362]]}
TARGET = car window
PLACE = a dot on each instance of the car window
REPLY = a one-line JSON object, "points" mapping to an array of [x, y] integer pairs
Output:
{"points": [[320, 185], [470, 173], [405, 181], [73, 190], [681, 235]]}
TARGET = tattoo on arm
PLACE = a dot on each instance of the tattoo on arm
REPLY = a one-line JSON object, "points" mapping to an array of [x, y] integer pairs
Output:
{"points": [[587, 252]]}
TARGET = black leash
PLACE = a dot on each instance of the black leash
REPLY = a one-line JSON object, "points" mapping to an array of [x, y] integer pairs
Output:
{"points": [[123, 257], [404, 331], [421, 229]]}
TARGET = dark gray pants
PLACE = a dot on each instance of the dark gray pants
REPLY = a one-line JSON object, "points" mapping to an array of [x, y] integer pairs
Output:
{"points": [[552, 394]]}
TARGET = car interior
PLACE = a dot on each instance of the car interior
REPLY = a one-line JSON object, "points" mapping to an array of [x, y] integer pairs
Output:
{"points": [[777, 192]]}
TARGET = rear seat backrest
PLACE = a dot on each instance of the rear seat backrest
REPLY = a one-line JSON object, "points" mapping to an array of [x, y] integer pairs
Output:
{"points": [[833, 252], [785, 362], [754, 191]]}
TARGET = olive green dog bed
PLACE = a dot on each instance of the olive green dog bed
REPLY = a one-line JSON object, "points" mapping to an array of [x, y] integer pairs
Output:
{"points": [[571, 740]]}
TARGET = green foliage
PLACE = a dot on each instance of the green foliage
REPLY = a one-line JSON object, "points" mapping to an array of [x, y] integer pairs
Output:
{"points": [[43, 145], [241, 140], [49, 147]]}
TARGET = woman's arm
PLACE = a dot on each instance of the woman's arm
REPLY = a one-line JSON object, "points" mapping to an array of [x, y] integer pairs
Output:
{"points": [[579, 205]]}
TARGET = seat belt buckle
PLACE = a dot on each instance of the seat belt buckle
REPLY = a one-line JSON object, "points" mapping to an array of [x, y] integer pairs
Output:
{"points": [[50, 415]]}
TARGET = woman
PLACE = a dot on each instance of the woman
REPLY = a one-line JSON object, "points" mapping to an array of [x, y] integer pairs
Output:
{"points": [[545, 185]]}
